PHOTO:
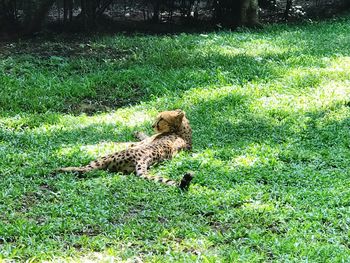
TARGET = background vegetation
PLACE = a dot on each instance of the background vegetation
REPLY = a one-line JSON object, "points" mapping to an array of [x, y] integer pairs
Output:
{"points": [[27, 17], [270, 115]]}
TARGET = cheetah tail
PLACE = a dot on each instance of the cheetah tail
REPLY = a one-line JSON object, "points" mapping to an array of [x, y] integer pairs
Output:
{"points": [[186, 180], [78, 170], [183, 185]]}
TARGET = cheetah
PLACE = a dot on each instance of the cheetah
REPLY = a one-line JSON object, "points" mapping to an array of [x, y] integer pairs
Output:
{"points": [[173, 134]]}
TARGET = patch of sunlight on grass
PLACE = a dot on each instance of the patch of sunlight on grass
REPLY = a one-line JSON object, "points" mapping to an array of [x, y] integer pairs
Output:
{"points": [[240, 44], [92, 257], [130, 117], [127, 117], [226, 196], [95, 150], [175, 244], [334, 91], [206, 156], [197, 244], [257, 205], [330, 67], [341, 64], [245, 160], [199, 95], [228, 50], [265, 47], [326, 95], [257, 154], [337, 116], [104, 147]]}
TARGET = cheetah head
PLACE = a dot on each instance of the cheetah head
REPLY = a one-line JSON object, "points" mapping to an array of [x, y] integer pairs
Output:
{"points": [[168, 121]]}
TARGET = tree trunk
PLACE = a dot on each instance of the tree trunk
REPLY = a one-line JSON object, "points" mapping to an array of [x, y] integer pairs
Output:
{"points": [[103, 7], [289, 5], [15, 8], [38, 16], [88, 13], [65, 11], [83, 13], [58, 10], [227, 12], [91, 11], [70, 10], [217, 17], [249, 13], [8, 10], [156, 9]]}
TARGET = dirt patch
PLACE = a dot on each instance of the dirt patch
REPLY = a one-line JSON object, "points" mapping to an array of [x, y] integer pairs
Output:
{"points": [[119, 97], [62, 49], [88, 230]]}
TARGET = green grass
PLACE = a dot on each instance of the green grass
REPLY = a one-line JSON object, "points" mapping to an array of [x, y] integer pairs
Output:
{"points": [[270, 116]]}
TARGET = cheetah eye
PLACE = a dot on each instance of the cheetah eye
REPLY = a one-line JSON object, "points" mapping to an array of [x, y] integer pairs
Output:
{"points": [[160, 119]]}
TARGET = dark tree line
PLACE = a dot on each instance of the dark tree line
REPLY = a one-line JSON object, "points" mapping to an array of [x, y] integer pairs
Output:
{"points": [[28, 16]]}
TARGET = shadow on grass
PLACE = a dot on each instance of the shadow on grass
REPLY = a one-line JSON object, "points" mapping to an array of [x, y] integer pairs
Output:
{"points": [[102, 75]]}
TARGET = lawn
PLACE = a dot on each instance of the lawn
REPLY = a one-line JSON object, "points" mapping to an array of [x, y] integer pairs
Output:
{"points": [[270, 116]]}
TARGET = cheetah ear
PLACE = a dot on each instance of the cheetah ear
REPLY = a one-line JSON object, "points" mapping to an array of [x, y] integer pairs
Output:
{"points": [[180, 114], [178, 118]]}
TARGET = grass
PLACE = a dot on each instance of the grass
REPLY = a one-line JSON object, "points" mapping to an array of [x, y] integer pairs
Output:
{"points": [[270, 115]]}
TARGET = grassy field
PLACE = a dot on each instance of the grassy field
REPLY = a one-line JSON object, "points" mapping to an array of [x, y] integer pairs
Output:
{"points": [[270, 116]]}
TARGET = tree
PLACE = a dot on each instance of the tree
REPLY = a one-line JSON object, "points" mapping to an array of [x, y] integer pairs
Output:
{"points": [[249, 13], [35, 15], [237, 13], [8, 16], [156, 9], [289, 5]]}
